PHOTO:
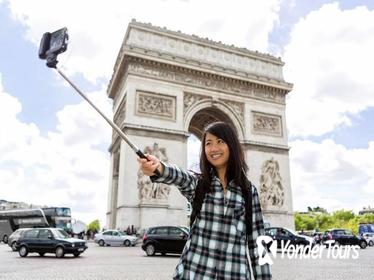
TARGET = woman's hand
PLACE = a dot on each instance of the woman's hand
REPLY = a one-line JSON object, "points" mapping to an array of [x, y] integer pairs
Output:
{"points": [[149, 167]]}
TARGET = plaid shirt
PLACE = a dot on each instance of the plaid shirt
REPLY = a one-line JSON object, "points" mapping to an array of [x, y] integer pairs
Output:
{"points": [[216, 247]]}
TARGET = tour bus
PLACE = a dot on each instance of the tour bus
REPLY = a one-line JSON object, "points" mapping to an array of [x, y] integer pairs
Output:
{"points": [[11, 220]]}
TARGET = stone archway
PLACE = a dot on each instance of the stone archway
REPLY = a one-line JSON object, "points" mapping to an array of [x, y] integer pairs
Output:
{"points": [[204, 117], [200, 111], [167, 85]]}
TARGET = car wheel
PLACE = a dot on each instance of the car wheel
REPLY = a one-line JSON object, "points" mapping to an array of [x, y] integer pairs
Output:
{"points": [[59, 252], [41, 254], [23, 251], [5, 239], [14, 246], [371, 243], [127, 243], [363, 244], [101, 242], [150, 250], [77, 255]]}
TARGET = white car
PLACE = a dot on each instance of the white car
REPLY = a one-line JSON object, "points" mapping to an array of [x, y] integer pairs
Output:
{"points": [[369, 237], [115, 237]]}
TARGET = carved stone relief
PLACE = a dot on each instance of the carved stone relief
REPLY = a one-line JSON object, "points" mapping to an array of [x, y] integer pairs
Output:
{"points": [[204, 80], [149, 191], [271, 185], [155, 105], [190, 99], [237, 107], [267, 124]]}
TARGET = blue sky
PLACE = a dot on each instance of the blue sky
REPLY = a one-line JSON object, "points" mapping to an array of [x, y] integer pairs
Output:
{"points": [[49, 137]]}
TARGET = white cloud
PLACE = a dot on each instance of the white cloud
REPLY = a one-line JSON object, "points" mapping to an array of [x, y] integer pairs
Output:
{"points": [[330, 60], [68, 167], [97, 31], [330, 175]]}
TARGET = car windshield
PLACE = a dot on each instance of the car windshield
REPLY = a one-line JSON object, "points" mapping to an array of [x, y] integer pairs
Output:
{"points": [[59, 233]]}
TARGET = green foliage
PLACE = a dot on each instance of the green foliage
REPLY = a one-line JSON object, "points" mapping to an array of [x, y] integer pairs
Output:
{"points": [[94, 225], [320, 220], [352, 225], [343, 215], [367, 219], [305, 222]]}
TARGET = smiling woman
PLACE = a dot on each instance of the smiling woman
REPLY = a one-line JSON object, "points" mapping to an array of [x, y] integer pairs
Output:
{"points": [[220, 231]]}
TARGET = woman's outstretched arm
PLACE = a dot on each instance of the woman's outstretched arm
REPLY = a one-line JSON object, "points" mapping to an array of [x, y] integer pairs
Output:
{"points": [[170, 174]]}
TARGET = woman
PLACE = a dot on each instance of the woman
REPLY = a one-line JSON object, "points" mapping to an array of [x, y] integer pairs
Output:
{"points": [[217, 244]]}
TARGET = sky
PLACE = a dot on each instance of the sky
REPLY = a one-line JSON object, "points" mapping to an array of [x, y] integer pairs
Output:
{"points": [[54, 147]]}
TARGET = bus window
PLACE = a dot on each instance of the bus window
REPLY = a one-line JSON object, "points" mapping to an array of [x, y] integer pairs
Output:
{"points": [[63, 211]]}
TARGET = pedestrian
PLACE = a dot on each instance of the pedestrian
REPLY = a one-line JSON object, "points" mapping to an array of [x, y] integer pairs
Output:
{"points": [[218, 239]]}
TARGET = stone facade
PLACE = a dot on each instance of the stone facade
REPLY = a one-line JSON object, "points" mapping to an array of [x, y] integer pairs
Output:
{"points": [[167, 85]]}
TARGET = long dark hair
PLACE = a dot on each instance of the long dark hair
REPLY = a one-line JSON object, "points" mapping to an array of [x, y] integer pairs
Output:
{"points": [[236, 165]]}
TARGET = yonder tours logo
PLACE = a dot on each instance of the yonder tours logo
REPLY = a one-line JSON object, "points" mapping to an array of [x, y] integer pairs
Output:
{"points": [[267, 247]]}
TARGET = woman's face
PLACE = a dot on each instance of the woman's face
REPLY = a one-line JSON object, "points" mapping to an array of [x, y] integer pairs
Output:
{"points": [[216, 151]]}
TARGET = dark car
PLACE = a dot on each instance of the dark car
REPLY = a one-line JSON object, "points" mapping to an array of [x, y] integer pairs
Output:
{"points": [[164, 239], [282, 234], [49, 240], [345, 237], [14, 237]]}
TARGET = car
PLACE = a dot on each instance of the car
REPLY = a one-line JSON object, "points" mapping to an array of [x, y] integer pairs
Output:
{"points": [[345, 237], [14, 237], [369, 237], [49, 240], [284, 234], [115, 237], [164, 239], [186, 229], [364, 228]]}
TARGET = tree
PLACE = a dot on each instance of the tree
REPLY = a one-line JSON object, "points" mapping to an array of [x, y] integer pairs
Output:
{"points": [[94, 226], [304, 222], [319, 219], [367, 218], [343, 215]]}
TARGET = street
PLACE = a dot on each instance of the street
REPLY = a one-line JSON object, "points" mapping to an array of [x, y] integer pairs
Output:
{"points": [[132, 263]]}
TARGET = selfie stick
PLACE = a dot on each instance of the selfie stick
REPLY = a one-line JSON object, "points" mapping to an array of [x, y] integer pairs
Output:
{"points": [[52, 63], [112, 124]]}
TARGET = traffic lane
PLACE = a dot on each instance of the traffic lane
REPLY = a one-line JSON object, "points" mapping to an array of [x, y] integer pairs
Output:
{"points": [[95, 263], [132, 263]]}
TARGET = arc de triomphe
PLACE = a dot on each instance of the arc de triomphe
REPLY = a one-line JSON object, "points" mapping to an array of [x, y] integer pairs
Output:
{"points": [[167, 85]]}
